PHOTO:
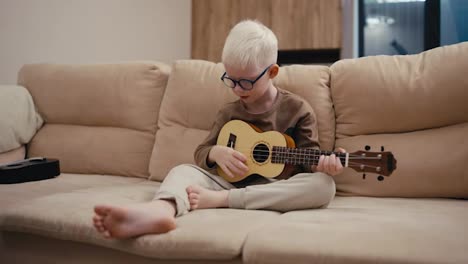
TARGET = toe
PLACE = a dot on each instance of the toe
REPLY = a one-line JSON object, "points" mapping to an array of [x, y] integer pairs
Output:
{"points": [[99, 228], [193, 196], [101, 210], [107, 234], [193, 200], [195, 188], [99, 224], [97, 218]]}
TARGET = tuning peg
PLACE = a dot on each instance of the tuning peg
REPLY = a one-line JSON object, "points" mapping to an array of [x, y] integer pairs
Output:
{"points": [[380, 178], [382, 148], [363, 176], [367, 147]]}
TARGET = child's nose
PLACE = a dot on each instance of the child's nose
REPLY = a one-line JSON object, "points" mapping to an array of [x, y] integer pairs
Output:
{"points": [[237, 88]]}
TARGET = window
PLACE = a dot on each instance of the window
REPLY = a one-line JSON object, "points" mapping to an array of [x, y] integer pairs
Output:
{"points": [[399, 27]]}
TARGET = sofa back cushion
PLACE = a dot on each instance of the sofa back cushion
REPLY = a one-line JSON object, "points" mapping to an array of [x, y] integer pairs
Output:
{"points": [[99, 118], [194, 95], [414, 106]]}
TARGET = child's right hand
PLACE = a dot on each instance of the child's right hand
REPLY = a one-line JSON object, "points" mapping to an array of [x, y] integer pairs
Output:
{"points": [[231, 161]]}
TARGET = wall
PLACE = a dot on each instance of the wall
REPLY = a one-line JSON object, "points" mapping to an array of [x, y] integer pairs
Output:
{"points": [[298, 24], [91, 31], [350, 21]]}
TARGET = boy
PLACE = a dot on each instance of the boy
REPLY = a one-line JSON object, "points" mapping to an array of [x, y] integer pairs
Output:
{"points": [[249, 57]]}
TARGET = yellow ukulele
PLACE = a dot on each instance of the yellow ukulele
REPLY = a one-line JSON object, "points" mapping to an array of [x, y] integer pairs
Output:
{"points": [[268, 152]]}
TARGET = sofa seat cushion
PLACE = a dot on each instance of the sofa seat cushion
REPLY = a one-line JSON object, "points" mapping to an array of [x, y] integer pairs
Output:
{"points": [[216, 234], [30, 248], [366, 230], [14, 194]]}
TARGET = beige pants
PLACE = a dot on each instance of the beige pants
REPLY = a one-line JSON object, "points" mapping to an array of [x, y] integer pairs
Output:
{"points": [[302, 191]]}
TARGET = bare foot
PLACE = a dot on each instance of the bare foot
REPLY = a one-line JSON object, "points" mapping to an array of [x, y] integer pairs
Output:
{"points": [[200, 197], [154, 217]]}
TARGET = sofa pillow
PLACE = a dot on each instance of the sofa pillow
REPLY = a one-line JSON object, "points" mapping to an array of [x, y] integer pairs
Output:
{"points": [[386, 94], [194, 95], [13, 155], [414, 106], [19, 120], [430, 163], [100, 118]]}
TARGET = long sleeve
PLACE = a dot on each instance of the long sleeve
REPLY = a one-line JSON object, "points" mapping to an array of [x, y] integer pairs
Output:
{"points": [[202, 151], [306, 133]]}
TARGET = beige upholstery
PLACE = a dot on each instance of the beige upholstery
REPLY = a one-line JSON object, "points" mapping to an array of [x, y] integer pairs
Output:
{"points": [[205, 234], [414, 106], [187, 115], [110, 119], [95, 149], [350, 230], [125, 95], [13, 155], [394, 94], [313, 84], [428, 164], [365, 230], [102, 117], [15, 194], [19, 119], [29, 248]]}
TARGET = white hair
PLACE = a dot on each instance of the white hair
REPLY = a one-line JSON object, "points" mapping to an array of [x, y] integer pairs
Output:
{"points": [[250, 43]]}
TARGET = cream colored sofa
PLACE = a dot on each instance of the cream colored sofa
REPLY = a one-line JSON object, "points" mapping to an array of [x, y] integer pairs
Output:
{"points": [[117, 130]]}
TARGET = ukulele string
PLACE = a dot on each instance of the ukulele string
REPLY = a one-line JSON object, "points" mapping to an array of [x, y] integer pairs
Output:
{"points": [[267, 153], [312, 157]]}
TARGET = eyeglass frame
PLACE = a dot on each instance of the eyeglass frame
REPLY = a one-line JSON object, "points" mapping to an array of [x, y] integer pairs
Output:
{"points": [[237, 82]]}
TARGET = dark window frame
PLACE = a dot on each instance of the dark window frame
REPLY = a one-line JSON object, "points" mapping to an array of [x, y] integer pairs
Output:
{"points": [[308, 56]]}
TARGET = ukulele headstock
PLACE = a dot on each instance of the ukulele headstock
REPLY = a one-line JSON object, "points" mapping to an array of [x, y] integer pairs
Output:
{"points": [[383, 163]]}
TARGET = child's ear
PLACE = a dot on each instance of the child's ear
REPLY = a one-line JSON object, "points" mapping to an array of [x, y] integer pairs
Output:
{"points": [[273, 72]]}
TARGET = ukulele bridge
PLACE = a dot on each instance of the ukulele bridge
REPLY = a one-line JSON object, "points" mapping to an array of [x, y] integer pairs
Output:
{"points": [[232, 141]]}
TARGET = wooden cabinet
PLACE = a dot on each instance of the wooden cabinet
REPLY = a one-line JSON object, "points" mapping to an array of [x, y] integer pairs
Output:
{"points": [[298, 24]]}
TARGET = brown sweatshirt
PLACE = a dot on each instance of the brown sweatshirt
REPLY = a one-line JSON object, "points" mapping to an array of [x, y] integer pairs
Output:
{"points": [[290, 114]]}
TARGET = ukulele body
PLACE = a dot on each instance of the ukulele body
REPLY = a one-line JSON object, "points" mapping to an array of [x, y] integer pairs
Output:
{"points": [[256, 146]]}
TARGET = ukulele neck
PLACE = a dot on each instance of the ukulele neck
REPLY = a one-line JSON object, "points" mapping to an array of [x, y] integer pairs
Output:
{"points": [[303, 156]]}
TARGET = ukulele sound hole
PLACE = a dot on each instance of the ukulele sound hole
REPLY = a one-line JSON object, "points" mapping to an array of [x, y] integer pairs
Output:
{"points": [[261, 153]]}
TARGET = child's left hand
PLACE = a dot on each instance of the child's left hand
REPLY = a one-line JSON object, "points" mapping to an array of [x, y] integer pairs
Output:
{"points": [[330, 165]]}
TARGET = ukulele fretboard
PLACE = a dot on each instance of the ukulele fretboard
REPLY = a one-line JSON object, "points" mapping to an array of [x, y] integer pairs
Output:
{"points": [[302, 156]]}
